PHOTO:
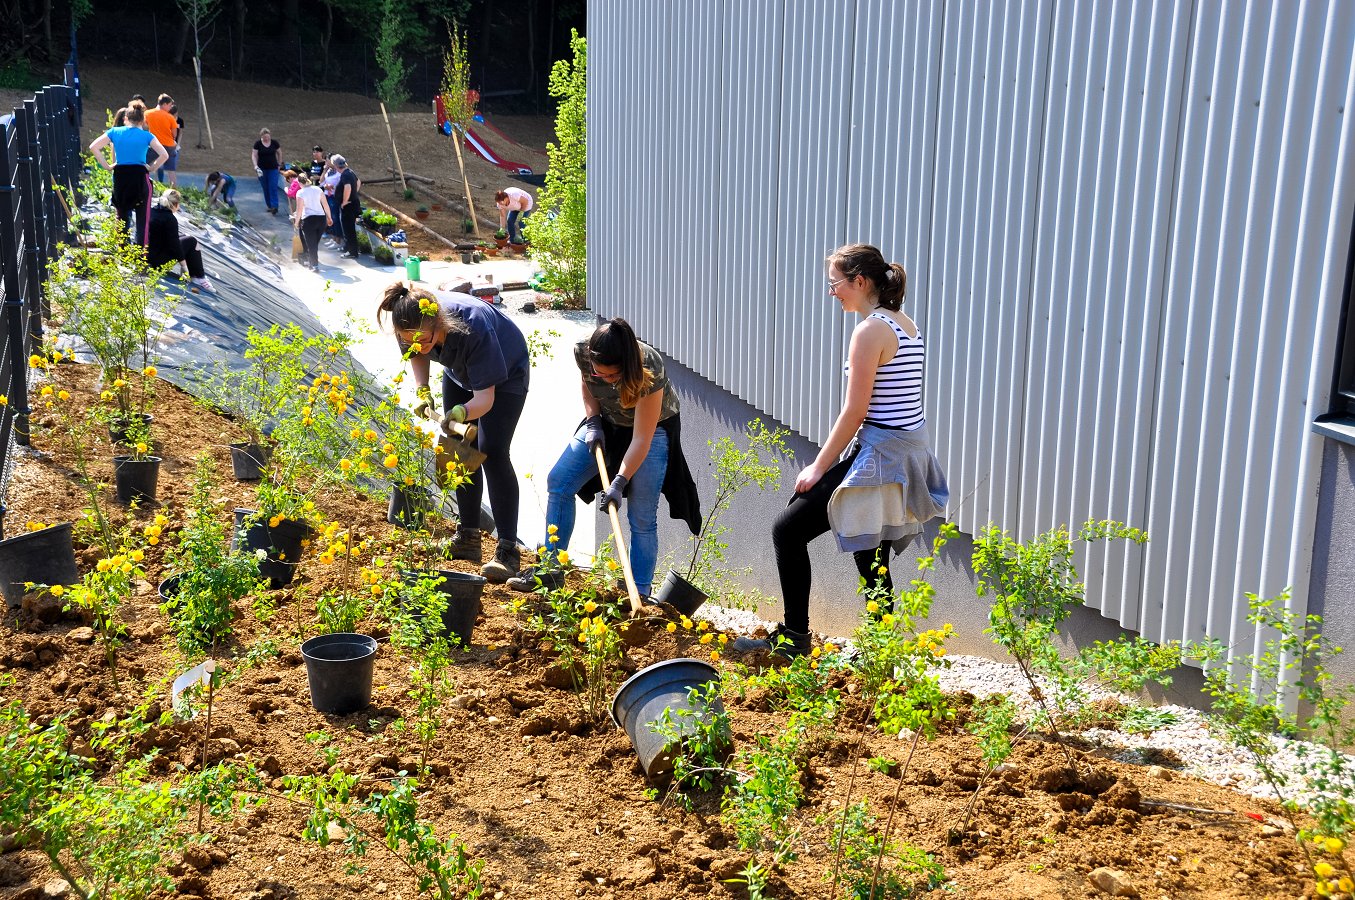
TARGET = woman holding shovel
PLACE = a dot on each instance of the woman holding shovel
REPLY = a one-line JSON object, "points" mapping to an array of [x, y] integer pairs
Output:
{"points": [[631, 412], [485, 370], [875, 480]]}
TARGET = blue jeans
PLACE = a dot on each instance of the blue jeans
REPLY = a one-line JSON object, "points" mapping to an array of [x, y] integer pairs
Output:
{"points": [[228, 194], [337, 228], [269, 180], [573, 470], [516, 218]]}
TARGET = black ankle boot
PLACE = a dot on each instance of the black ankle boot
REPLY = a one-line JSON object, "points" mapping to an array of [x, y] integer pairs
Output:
{"points": [[782, 641]]}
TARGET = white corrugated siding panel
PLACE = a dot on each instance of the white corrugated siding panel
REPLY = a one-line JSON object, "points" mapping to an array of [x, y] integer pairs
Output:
{"points": [[1125, 225]]}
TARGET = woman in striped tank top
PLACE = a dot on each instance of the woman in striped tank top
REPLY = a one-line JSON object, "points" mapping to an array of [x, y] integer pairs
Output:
{"points": [[875, 481]]}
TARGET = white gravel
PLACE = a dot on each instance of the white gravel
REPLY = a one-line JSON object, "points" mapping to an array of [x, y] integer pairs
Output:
{"points": [[1202, 753]]}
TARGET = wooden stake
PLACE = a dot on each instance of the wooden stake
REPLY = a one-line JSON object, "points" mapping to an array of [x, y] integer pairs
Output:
{"points": [[398, 167], [470, 203], [202, 106], [621, 553]]}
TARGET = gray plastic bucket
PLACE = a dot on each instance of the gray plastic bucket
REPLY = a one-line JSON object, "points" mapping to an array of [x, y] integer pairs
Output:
{"points": [[643, 698]]}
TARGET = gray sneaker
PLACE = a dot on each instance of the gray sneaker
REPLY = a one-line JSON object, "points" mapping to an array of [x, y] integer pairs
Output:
{"points": [[526, 581], [782, 641], [505, 564]]}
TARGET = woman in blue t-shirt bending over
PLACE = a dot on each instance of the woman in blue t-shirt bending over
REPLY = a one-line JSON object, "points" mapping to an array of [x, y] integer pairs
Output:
{"points": [[485, 370], [131, 173]]}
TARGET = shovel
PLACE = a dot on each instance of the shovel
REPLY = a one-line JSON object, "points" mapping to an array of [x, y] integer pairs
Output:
{"points": [[621, 553], [456, 441]]}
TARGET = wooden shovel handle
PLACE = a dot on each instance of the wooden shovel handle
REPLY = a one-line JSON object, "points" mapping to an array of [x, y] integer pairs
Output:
{"points": [[621, 553]]}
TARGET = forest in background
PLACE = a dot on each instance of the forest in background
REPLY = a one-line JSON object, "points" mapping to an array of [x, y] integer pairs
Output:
{"points": [[317, 44]]}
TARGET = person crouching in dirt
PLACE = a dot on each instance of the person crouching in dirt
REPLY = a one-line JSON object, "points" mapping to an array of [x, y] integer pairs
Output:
{"points": [[220, 187], [514, 204], [631, 412], [887, 482], [166, 246], [486, 369], [131, 174]]}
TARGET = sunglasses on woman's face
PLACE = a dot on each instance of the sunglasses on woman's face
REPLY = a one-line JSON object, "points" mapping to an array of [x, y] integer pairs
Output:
{"points": [[614, 373]]}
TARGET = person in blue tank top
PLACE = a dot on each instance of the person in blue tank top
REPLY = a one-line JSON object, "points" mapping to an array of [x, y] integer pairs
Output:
{"points": [[131, 173], [875, 481]]}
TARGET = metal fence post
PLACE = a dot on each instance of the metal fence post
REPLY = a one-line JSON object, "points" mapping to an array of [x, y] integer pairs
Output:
{"points": [[14, 414]]}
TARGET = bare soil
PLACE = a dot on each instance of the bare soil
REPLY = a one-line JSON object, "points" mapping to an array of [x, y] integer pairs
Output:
{"points": [[554, 803], [350, 124]]}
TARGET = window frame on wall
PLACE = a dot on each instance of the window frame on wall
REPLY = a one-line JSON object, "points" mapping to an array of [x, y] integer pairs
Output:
{"points": [[1339, 421]]}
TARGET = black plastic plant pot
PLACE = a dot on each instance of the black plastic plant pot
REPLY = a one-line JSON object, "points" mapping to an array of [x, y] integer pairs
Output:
{"points": [[281, 545], [339, 671], [680, 594], [644, 697], [467, 257], [169, 588], [42, 557], [118, 428], [136, 479], [408, 506], [463, 592], [248, 460]]}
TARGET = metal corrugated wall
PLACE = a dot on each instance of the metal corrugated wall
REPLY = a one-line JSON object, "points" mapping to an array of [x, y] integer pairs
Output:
{"points": [[1125, 226]]}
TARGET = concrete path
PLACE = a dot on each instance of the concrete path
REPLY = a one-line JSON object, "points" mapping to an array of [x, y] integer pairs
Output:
{"points": [[344, 294]]}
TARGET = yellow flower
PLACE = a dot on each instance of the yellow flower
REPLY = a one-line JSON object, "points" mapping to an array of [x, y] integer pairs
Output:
{"points": [[723, 639], [353, 551], [103, 565], [589, 606], [391, 461], [274, 522], [46, 391], [333, 348], [814, 664], [872, 606], [671, 627], [149, 371], [127, 568], [702, 625], [815, 652], [1346, 884], [118, 382], [706, 638], [563, 556], [36, 526], [399, 378], [57, 356], [63, 395], [1324, 870], [345, 464], [369, 434], [613, 565], [554, 539], [388, 447], [1333, 845], [883, 570], [105, 395], [326, 557], [152, 541], [364, 467], [36, 361], [141, 447], [887, 618], [715, 656], [686, 623], [137, 555], [161, 519], [57, 590], [551, 529], [830, 647]]}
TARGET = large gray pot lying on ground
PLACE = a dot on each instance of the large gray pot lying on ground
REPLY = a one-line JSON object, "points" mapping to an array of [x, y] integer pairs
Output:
{"points": [[646, 694]]}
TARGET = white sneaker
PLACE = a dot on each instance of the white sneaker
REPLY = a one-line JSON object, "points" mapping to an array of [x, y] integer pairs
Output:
{"points": [[204, 282]]}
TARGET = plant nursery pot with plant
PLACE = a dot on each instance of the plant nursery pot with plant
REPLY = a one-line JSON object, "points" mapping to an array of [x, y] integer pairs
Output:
{"points": [[463, 593], [136, 477], [409, 506], [248, 460], [339, 671], [122, 429], [644, 698], [280, 539], [500, 239], [42, 556], [421, 213]]}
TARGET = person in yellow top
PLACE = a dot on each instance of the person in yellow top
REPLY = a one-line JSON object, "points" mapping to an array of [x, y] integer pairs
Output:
{"points": [[164, 125]]}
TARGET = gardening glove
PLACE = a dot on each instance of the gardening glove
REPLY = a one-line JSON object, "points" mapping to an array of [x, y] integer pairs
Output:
{"points": [[258, 171], [612, 496], [424, 408], [592, 435], [457, 413]]}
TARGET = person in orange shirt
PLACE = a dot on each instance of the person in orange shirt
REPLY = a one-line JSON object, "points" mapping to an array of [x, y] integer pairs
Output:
{"points": [[164, 125]]}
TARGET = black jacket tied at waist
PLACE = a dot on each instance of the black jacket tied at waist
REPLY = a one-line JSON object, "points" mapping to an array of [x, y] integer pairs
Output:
{"points": [[678, 486]]}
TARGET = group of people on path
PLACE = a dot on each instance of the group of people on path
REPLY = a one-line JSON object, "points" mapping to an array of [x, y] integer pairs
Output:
{"points": [[146, 141], [874, 483]]}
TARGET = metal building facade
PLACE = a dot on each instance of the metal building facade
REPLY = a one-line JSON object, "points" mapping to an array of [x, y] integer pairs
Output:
{"points": [[1126, 227]]}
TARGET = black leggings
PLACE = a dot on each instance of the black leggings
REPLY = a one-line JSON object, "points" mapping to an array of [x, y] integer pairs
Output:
{"points": [[496, 434], [132, 198], [799, 523], [312, 229], [192, 256]]}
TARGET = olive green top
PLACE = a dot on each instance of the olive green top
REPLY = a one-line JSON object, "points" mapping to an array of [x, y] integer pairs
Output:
{"points": [[608, 396]]}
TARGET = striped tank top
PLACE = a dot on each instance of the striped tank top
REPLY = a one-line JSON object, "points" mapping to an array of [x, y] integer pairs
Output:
{"points": [[896, 396]]}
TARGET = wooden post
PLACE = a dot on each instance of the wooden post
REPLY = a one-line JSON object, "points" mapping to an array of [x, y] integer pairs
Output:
{"points": [[202, 106], [398, 167], [461, 162]]}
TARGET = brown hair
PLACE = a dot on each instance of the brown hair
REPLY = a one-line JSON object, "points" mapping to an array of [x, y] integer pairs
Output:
{"points": [[135, 114], [120, 117], [890, 279], [614, 344], [500, 196], [163, 99], [263, 131], [401, 303]]}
